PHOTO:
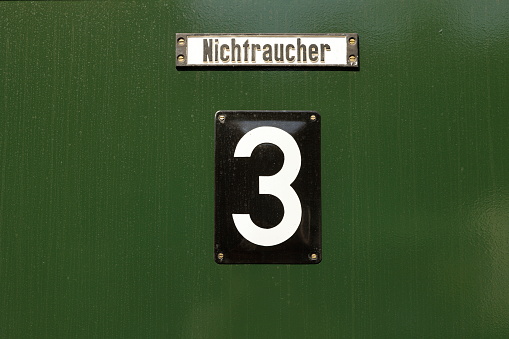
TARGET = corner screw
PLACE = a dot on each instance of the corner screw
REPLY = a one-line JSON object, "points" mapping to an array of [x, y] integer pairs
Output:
{"points": [[313, 117], [352, 41], [220, 256], [180, 58], [221, 118], [352, 58], [314, 256], [181, 41]]}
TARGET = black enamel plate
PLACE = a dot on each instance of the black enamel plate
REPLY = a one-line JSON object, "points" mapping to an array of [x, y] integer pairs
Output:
{"points": [[267, 187]]}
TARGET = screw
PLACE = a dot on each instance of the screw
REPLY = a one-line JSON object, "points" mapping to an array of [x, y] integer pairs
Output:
{"points": [[313, 117], [180, 58], [220, 256], [352, 41], [181, 41], [352, 58], [314, 256], [221, 118]]}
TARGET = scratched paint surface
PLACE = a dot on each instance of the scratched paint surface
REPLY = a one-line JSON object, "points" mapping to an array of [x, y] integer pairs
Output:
{"points": [[107, 184]]}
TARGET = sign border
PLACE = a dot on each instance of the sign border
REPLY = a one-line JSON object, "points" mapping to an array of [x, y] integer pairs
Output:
{"points": [[351, 50]]}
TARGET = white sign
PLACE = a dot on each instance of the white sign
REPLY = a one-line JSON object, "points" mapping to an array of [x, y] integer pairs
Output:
{"points": [[267, 50]]}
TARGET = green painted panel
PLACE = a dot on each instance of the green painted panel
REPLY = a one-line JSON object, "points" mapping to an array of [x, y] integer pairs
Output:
{"points": [[107, 184]]}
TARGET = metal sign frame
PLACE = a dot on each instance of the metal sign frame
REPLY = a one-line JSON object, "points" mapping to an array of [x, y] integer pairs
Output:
{"points": [[182, 53]]}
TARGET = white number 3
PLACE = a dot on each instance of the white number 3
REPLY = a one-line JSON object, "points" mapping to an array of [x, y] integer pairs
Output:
{"points": [[277, 185]]}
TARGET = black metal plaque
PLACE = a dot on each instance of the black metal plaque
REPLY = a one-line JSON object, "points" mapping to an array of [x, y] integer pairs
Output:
{"points": [[267, 187]]}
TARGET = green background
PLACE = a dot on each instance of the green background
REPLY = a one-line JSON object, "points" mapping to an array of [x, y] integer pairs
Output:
{"points": [[107, 172]]}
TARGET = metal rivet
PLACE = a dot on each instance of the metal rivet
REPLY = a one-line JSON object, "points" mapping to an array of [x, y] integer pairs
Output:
{"points": [[313, 117], [352, 41], [314, 256], [221, 118], [180, 58], [220, 256], [181, 41], [352, 58]]}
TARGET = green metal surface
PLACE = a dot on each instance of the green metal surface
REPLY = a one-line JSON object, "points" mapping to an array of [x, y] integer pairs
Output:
{"points": [[107, 184]]}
